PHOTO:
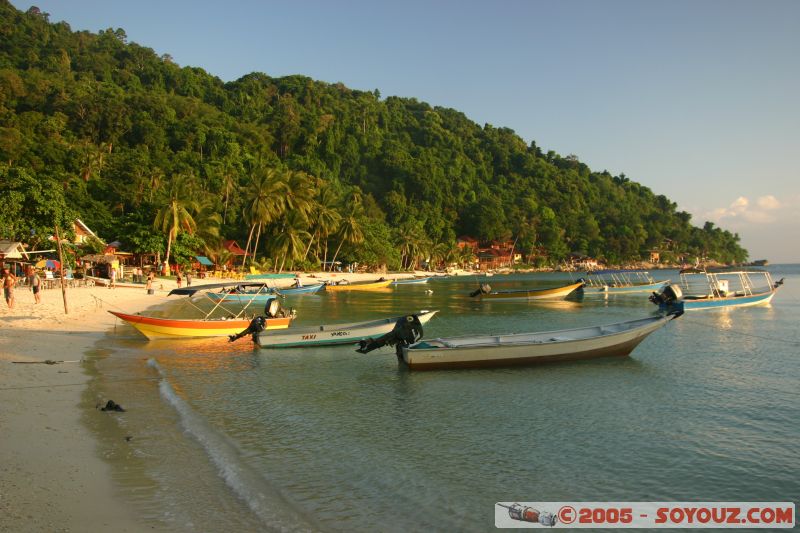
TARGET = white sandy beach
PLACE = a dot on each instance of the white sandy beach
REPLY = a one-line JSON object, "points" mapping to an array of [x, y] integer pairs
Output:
{"points": [[51, 476]]}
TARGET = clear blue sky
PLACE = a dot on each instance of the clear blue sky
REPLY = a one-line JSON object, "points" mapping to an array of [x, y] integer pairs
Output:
{"points": [[697, 99]]}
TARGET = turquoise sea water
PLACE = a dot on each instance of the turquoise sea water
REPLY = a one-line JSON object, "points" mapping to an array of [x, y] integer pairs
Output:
{"points": [[229, 437]]}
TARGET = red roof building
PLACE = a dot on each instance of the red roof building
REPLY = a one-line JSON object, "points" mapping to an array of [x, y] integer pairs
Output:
{"points": [[233, 248]]}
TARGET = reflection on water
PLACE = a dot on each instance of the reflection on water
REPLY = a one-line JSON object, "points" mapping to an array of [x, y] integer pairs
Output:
{"points": [[339, 440]]}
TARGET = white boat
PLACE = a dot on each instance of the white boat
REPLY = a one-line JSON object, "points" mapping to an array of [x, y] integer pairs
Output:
{"points": [[333, 333], [621, 281], [717, 289], [472, 351]]}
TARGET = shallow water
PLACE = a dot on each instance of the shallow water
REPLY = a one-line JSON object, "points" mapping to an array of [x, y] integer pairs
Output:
{"points": [[225, 436]]}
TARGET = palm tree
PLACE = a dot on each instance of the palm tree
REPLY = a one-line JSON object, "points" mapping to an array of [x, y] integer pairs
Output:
{"points": [[324, 218], [350, 232], [290, 241], [175, 214], [208, 221], [266, 202], [413, 242]]}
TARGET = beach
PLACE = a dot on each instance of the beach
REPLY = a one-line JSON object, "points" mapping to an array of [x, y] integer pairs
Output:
{"points": [[51, 476]]}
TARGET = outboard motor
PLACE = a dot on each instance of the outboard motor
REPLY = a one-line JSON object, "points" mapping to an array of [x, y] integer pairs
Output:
{"points": [[272, 308], [669, 295], [778, 283], [406, 331], [256, 326], [484, 288]]}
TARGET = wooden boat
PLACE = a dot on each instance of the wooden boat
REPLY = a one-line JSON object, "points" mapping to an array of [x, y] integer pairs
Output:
{"points": [[621, 281], [410, 281], [361, 286], [527, 294], [307, 289], [717, 289], [529, 348], [333, 333], [234, 321]]}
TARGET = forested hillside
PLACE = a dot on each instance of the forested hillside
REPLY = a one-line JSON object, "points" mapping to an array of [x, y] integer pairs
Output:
{"points": [[164, 157]]}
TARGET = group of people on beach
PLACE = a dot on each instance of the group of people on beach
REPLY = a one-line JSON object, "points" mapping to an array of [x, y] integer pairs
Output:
{"points": [[9, 281]]}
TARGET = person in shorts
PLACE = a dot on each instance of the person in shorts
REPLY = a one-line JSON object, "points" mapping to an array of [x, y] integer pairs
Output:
{"points": [[36, 284], [9, 281]]}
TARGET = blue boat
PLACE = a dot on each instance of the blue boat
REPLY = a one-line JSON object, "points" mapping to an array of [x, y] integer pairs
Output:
{"points": [[701, 289], [308, 289], [410, 281]]}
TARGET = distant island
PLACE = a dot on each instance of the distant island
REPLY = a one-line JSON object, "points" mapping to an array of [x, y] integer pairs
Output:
{"points": [[172, 161]]}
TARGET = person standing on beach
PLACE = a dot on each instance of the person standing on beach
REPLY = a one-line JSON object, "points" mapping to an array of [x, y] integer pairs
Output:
{"points": [[36, 284], [150, 277], [178, 278], [113, 276], [188, 278], [9, 280]]}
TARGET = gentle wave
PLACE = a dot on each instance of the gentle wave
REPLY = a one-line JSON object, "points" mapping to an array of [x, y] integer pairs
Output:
{"points": [[268, 504]]}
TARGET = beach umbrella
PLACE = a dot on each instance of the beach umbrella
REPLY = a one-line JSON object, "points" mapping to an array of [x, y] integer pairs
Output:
{"points": [[48, 263]]}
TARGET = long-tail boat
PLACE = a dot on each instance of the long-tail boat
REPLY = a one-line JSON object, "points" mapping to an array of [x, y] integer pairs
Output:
{"points": [[485, 292], [343, 285]]}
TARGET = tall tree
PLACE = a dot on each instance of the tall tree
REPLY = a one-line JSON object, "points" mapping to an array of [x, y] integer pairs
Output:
{"points": [[175, 214]]}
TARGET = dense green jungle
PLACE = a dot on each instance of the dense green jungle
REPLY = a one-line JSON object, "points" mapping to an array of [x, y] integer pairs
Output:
{"points": [[172, 160]]}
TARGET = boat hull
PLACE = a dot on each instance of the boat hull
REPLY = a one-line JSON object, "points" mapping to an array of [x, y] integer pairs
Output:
{"points": [[609, 289], [332, 334], [696, 304], [532, 294], [359, 286], [172, 328], [410, 281], [528, 349], [310, 289]]}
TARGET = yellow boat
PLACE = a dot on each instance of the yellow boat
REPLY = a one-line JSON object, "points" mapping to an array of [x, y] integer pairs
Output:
{"points": [[360, 286], [234, 321], [486, 293], [173, 328]]}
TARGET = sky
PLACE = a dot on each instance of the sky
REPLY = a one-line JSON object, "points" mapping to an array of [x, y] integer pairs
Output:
{"points": [[699, 100]]}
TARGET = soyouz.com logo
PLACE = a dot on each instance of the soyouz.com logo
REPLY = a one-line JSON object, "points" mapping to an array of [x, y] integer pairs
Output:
{"points": [[695, 515]]}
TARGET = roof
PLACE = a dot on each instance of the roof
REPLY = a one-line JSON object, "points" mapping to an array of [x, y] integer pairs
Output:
{"points": [[84, 227], [204, 260], [12, 250], [233, 248]]}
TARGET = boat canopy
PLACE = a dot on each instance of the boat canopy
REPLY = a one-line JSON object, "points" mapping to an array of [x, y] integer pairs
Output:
{"points": [[189, 291], [618, 271]]}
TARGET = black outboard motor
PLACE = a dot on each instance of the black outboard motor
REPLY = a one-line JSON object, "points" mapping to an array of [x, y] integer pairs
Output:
{"points": [[256, 326], [778, 283], [669, 295], [484, 288], [406, 331]]}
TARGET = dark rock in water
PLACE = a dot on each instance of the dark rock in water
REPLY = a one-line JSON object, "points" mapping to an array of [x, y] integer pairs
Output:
{"points": [[112, 406]]}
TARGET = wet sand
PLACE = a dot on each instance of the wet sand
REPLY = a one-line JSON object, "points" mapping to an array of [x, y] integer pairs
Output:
{"points": [[51, 475]]}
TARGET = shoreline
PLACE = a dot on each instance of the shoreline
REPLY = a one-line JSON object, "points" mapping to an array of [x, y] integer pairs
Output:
{"points": [[51, 473]]}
